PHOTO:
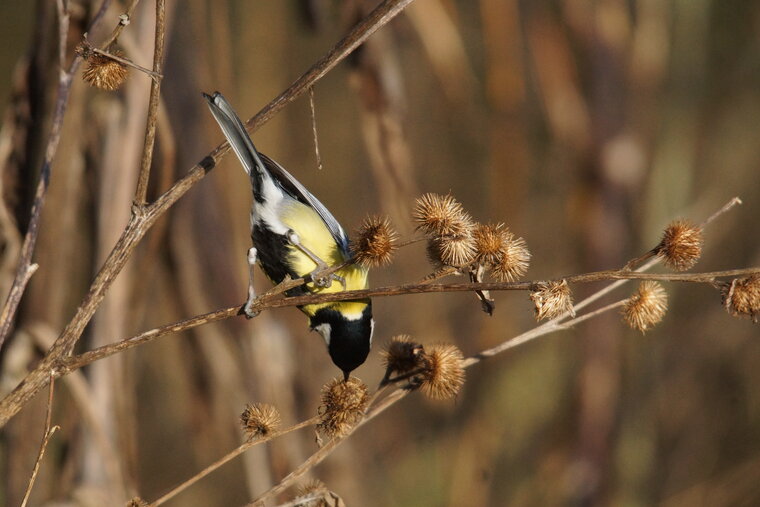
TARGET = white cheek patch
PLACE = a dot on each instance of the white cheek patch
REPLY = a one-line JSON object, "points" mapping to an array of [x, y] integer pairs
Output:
{"points": [[371, 330], [325, 330]]}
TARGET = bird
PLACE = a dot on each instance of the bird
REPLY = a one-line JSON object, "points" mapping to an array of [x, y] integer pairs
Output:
{"points": [[294, 235]]}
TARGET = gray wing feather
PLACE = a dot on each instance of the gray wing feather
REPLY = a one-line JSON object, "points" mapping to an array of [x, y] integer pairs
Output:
{"points": [[252, 161]]}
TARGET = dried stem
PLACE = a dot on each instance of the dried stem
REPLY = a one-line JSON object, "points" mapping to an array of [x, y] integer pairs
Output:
{"points": [[314, 128], [155, 95], [47, 435], [229, 457], [24, 270], [265, 301]]}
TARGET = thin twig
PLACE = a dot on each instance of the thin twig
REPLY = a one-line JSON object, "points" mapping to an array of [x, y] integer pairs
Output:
{"points": [[155, 94], [47, 435], [124, 20], [126, 61], [229, 457], [314, 127]]}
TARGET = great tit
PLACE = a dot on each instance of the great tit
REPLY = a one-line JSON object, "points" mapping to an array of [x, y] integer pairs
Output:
{"points": [[295, 235]]}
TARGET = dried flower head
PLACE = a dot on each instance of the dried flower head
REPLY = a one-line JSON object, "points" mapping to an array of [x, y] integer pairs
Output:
{"points": [[137, 502], [403, 355], [490, 241], [375, 242], [646, 307], [514, 260], [105, 73], [444, 374], [681, 245], [259, 420], [742, 297], [343, 404], [441, 215], [454, 251], [552, 299], [314, 487]]}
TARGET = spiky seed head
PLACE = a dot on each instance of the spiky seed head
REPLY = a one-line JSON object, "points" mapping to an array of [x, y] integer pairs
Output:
{"points": [[375, 242], [514, 261], [104, 73], [137, 502], [403, 355], [646, 307], [681, 245], [314, 486], [441, 215], [490, 242], [444, 375], [552, 299], [451, 251], [343, 405], [259, 420], [742, 297]]}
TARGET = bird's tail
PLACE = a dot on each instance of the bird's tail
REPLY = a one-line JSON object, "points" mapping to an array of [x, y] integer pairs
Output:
{"points": [[235, 133]]}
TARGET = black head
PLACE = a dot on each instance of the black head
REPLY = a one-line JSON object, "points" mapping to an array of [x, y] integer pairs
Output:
{"points": [[348, 340]]}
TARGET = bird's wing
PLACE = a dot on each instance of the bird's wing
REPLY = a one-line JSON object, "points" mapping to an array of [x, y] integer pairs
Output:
{"points": [[294, 187], [255, 163]]}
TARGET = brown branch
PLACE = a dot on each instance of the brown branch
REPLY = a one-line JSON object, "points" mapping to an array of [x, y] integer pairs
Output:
{"points": [[143, 217], [47, 435], [265, 301], [155, 95], [124, 20], [229, 457]]}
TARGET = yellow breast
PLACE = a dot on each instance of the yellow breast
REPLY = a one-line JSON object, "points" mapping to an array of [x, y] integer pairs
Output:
{"points": [[316, 237]]}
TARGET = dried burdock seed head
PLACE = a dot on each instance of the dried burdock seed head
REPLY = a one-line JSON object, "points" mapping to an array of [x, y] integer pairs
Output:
{"points": [[454, 251], [490, 243], [343, 404], [403, 355], [681, 245], [375, 242], [259, 420], [441, 215], [552, 299], [104, 73], [137, 502], [742, 297], [514, 260], [443, 376], [312, 488], [646, 307]]}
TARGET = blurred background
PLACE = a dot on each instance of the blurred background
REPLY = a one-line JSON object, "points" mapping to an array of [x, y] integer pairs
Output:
{"points": [[585, 126]]}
